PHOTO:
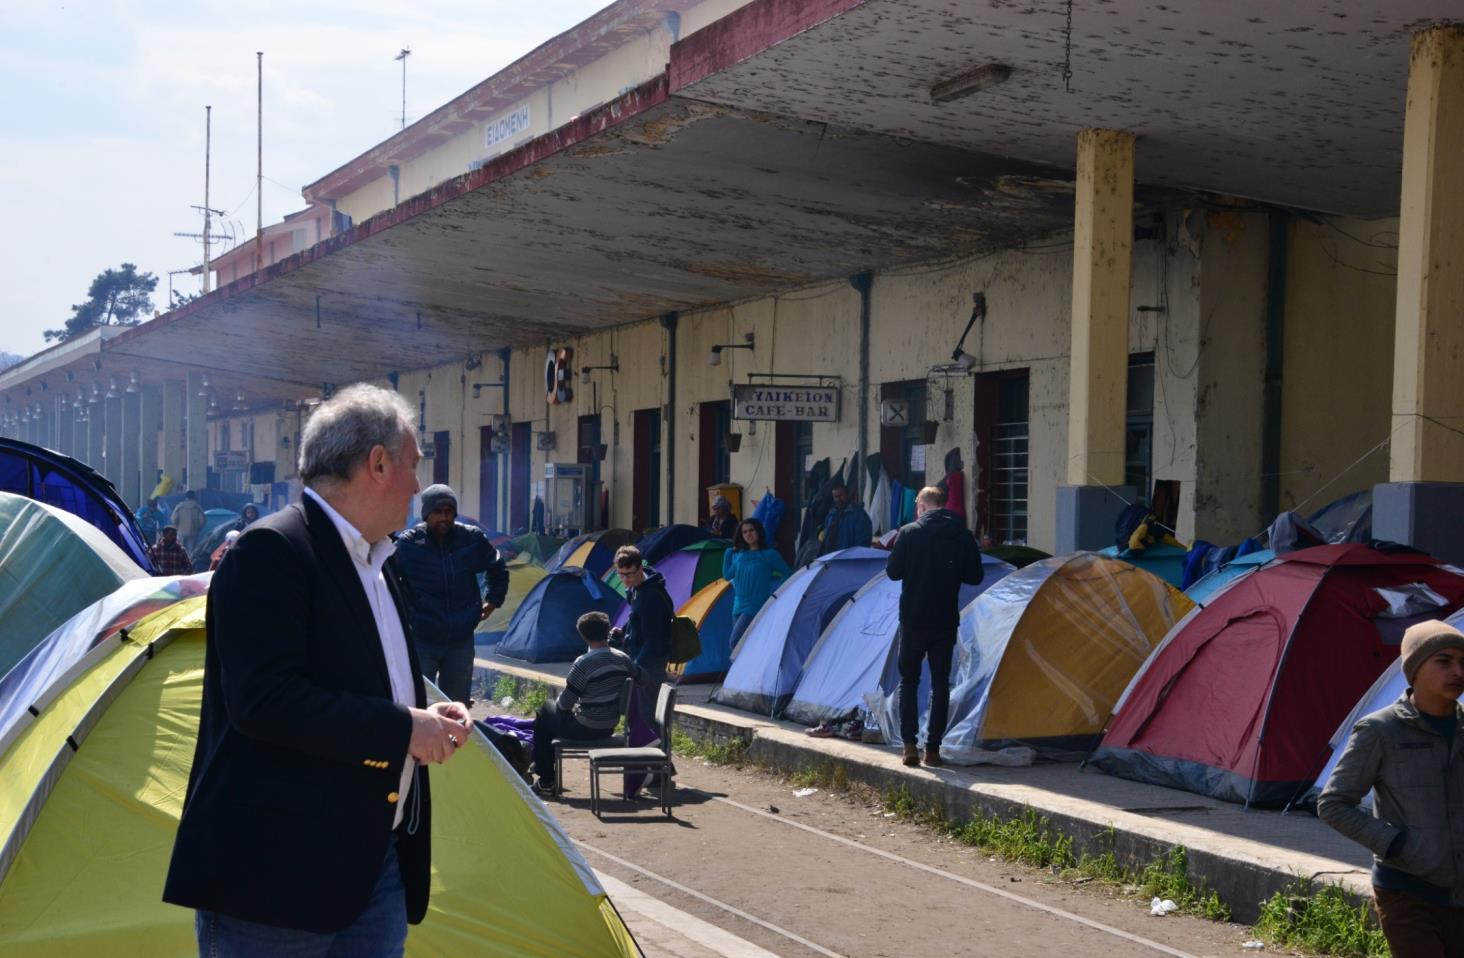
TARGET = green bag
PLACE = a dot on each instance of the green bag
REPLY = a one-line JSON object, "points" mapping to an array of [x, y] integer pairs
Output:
{"points": [[685, 640]]}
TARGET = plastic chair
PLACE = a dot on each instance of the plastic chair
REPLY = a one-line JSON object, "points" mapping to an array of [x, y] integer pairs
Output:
{"points": [[582, 746], [651, 759]]}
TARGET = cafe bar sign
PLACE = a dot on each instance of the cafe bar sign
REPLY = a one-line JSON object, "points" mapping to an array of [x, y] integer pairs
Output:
{"points": [[786, 403]]}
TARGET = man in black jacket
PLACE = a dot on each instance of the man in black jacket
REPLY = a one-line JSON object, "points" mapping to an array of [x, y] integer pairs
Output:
{"points": [[933, 557], [647, 634], [307, 818], [440, 559]]}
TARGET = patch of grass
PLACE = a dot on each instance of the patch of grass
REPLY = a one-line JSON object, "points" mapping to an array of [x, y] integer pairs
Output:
{"points": [[1323, 921], [527, 696], [505, 688], [730, 752], [1168, 877]]}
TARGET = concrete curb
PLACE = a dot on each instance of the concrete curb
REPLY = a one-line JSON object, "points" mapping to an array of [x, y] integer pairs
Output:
{"points": [[1244, 871]]}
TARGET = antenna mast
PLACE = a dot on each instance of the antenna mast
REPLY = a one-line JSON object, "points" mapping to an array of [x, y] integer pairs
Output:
{"points": [[406, 52]]}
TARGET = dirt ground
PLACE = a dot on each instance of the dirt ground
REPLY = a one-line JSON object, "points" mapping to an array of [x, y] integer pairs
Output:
{"points": [[851, 901]]}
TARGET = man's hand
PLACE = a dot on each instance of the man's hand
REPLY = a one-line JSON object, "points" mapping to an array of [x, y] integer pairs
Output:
{"points": [[437, 731], [488, 609]]}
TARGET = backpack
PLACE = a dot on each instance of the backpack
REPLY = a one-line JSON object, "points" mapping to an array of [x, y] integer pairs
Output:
{"points": [[685, 640]]}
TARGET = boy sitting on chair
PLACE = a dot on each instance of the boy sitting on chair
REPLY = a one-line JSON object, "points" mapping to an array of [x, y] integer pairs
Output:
{"points": [[588, 708]]}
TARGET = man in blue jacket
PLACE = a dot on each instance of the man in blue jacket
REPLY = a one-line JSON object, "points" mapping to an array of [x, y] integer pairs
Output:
{"points": [[440, 560], [847, 524], [647, 633]]}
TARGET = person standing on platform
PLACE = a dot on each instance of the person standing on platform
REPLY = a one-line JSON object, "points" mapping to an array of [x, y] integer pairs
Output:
{"points": [[752, 567], [188, 519]]}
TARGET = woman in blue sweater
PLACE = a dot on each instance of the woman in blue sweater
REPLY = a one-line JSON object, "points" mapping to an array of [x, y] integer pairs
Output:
{"points": [[751, 567]]}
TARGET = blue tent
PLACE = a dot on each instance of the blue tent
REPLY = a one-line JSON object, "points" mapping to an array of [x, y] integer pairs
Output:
{"points": [[851, 655], [768, 662], [668, 539], [543, 629], [711, 610], [60, 481], [1164, 560], [1348, 519], [1209, 585]]}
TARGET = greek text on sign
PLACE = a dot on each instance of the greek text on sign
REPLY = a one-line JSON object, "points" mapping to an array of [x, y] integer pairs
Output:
{"points": [[508, 126], [786, 403]]}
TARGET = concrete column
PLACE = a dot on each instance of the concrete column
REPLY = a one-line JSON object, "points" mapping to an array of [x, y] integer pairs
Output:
{"points": [[174, 441], [131, 485], [65, 427], [96, 430], [1103, 230], [1423, 505], [151, 413], [196, 426], [112, 433]]}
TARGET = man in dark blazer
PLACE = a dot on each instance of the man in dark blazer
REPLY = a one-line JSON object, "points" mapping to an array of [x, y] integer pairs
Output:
{"points": [[306, 825]]}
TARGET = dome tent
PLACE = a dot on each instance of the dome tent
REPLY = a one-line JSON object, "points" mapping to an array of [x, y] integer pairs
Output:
{"points": [[711, 609], [686, 571], [591, 551], [523, 575], [542, 630], [86, 830]]}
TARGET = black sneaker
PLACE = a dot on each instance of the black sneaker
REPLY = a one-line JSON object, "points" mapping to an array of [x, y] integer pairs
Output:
{"points": [[544, 789]]}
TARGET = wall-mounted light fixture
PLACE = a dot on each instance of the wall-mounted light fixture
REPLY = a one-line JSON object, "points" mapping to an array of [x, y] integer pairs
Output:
{"points": [[203, 387], [972, 81], [715, 359], [239, 401], [613, 366], [132, 382], [112, 389]]}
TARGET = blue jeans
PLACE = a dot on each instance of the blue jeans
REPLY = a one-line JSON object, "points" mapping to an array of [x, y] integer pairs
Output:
{"points": [[449, 666], [739, 626], [380, 931]]}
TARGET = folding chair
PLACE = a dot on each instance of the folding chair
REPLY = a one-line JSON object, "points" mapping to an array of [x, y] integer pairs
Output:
{"points": [[649, 759], [582, 746]]}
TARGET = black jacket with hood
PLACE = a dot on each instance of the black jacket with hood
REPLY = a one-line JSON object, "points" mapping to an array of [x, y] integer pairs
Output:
{"points": [[648, 630], [933, 557]]}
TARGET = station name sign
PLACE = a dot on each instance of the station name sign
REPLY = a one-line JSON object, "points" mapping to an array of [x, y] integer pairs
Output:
{"points": [[508, 126], [786, 403]]}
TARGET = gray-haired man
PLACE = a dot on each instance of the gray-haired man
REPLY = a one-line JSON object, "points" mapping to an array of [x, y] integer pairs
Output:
{"points": [[305, 828]]}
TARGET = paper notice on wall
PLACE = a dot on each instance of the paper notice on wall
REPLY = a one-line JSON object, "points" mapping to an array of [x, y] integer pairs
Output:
{"points": [[917, 458]]}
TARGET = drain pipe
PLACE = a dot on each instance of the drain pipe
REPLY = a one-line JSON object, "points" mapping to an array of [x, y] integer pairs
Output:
{"points": [[505, 500], [668, 416], [1275, 365], [864, 283]]}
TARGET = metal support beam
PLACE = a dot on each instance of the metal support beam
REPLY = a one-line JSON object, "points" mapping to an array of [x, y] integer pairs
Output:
{"points": [[96, 430], [112, 433], [131, 485], [668, 323], [151, 413], [196, 432], [174, 441]]}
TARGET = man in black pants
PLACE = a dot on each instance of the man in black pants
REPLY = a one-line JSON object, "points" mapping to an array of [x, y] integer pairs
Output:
{"points": [[933, 557]]}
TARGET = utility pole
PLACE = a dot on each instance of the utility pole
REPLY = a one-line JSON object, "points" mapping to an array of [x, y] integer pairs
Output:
{"points": [[207, 146], [406, 52], [259, 165]]}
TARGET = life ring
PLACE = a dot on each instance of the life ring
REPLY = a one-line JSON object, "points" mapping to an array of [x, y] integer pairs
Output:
{"points": [[563, 371], [550, 385]]}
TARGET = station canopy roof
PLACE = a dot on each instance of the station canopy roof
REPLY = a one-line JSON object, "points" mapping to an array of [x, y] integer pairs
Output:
{"points": [[795, 142]]}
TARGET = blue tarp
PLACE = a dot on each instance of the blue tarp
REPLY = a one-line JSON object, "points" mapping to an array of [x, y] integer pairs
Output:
{"points": [[851, 655], [48, 476], [543, 629], [768, 662], [1165, 561], [1207, 586]]}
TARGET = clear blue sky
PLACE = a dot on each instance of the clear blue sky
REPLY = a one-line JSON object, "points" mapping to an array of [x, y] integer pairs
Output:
{"points": [[101, 151]]}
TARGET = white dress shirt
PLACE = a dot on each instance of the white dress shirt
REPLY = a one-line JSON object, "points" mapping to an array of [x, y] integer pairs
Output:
{"points": [[368, 558]]}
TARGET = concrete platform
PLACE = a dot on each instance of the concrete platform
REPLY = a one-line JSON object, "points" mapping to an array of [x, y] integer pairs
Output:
{"points": [[1245, 856]]}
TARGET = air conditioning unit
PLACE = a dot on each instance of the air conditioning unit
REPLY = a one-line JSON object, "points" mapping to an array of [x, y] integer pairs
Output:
{"points": [[544, 440]]}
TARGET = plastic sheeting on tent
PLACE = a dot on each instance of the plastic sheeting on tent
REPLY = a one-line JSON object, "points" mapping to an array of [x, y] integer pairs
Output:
{"points": [[852, 654], [523, 575], [71, 486], [87, 833], [592, 551], [1213, 582], [687, 571], [1348, 519], [1161, 559], [538, 547], [53, 564], [1388, 689], [1019, 556], [711, 610], [768, 661], [1042, 656], [668, 539], [542, 630], [75, 639], [1231, 704]]}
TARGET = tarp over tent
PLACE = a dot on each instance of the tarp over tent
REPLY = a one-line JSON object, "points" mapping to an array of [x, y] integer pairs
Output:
{"points": [[851, 655], [1388, 689], [711, 610], [53, 564], [1348, 519], [68, 484], [542, 630], [687, 571], [592, 551], [523, 575], [1161, 559], [86, 831], [1213, 582], [1042, 656], [768, 661], [1231, 705]]}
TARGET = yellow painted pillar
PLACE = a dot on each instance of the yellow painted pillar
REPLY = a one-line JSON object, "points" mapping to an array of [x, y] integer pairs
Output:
{"points": [[1103, 231], [1428, 353]]}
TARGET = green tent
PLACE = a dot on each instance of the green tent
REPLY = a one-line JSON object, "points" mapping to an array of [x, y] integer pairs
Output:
{"points": [[523, 575], [52, 565], [537, 546], [94, 788]]}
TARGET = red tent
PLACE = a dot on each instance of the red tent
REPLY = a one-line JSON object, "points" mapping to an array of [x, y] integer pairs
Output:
{"points": [[1240, 699]]}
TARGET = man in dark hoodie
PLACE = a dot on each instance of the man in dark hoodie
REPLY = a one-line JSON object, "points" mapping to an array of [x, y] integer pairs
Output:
{"points": [[647, 633], [932, 558], [440, 560]]}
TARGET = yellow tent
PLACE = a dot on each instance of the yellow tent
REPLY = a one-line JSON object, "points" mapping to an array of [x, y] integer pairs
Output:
{"points": [[522, 576], [1044, 654], [94, 787]]}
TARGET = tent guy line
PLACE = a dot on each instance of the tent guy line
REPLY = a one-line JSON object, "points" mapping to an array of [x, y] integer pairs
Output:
{"points": [[941, 873]]}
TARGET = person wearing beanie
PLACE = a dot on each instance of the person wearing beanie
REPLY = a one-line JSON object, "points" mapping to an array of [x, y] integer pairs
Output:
{"points": [[440, 560], [1410, 755]]}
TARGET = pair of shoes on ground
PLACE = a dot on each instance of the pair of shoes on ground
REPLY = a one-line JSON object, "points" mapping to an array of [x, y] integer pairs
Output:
{"points": [[822, 730], [912, 757]]}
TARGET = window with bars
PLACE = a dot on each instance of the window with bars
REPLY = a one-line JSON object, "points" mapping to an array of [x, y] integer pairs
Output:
{"points": [[1002, 436]]}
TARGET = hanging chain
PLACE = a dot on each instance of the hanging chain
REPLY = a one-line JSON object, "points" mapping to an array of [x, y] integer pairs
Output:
{"points": [[1067, 63]]}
